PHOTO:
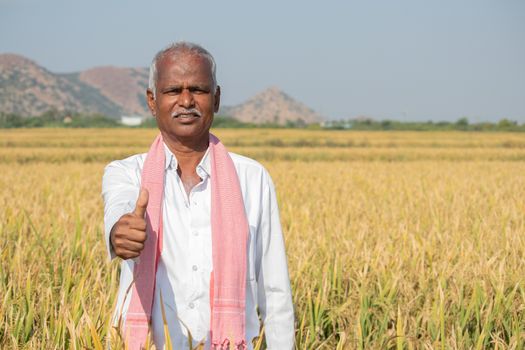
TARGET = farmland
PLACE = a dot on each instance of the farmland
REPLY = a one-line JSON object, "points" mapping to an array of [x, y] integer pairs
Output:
{"points": [[399, 240]]}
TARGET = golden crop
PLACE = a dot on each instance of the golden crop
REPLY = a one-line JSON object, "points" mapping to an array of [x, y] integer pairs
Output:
{"points": [[399, 240]]}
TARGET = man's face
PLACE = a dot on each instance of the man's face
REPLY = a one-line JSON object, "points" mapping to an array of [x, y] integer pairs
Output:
{"points": [[185, 101]]}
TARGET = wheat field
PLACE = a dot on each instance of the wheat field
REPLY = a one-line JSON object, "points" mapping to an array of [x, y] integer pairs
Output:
{"points": [[395, 240]]}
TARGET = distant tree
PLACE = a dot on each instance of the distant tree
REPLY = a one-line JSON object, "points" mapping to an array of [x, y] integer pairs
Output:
{"points": [[299, 123], [149, 123], [11, 121], [462, 124], [386, 124], [507, 124], [220, 121]]}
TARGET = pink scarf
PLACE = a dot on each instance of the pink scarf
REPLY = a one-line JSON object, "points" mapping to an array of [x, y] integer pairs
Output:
{"points": [[229, 228]]}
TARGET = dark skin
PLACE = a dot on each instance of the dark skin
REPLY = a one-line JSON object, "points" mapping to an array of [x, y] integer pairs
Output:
{"points": [[184, 103]]}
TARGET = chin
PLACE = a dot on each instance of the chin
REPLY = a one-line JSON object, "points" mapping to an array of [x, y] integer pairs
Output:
{"points": [[189, 131]]}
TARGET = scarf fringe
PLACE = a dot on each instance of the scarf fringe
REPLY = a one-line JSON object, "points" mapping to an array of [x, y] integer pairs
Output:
{"points": [[225, 345]]}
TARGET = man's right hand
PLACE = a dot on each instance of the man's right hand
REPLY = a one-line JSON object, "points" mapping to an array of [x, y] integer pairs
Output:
{"points": [[129, 232]]}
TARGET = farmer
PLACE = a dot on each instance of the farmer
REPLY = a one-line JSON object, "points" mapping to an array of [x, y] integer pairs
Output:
{"points": [[197, 227]]}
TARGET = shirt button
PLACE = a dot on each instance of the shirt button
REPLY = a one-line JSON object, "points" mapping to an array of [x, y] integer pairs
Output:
{"points": [[195, 233], [194, 267], [192, 305]]}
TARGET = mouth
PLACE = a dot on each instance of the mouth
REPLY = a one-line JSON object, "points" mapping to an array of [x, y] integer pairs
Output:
{"points": [[186, 114]]}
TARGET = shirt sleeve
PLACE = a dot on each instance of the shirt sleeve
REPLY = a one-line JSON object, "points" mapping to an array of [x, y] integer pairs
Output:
{"points": [[120, 192], [273, 282]]}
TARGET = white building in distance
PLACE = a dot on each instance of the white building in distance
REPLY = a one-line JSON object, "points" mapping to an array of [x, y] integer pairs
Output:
{"points": [[131, 120]]}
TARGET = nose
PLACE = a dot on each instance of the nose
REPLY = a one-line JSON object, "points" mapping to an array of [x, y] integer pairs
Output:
{"points": [[186, 98]]}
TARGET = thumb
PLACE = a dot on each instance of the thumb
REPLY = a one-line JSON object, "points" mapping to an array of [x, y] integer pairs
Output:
{"points": [[142, 203]]}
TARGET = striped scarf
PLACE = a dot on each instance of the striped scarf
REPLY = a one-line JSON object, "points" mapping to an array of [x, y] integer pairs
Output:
{"points": [[229, 228]]}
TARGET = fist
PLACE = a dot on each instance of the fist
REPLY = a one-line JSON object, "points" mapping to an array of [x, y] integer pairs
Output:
{"points": [[129, 233]]}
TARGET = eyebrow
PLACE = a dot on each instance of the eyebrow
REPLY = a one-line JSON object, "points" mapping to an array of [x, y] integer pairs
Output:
{"points": [[190, 87]]}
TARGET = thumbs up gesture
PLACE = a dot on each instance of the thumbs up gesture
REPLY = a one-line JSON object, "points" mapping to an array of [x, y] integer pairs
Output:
{"points": [[129, 232]]}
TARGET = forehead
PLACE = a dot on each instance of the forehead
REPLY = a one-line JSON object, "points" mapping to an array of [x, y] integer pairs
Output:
{"points": [[184, 66]]}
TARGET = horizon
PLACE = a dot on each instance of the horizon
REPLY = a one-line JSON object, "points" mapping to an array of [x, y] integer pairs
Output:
{"points": [[440, 61]]}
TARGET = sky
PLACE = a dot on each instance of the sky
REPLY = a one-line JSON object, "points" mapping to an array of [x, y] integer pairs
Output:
{"points": [[406, 60]]}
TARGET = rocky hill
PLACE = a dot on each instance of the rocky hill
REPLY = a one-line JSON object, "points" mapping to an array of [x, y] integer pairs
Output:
{"points": [[126, 87], [272, 106], [28, 89]]}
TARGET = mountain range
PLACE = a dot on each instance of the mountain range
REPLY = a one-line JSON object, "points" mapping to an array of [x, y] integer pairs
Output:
{"points": [[28, 89]]}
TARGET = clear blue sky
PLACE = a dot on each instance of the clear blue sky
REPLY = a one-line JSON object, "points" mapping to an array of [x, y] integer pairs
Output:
{"points": [[397, 59]]}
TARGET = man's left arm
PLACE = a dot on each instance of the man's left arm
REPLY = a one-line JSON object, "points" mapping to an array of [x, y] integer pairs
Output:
{"points": [[273, 291]]}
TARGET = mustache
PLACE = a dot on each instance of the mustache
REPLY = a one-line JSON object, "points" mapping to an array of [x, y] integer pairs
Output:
{"points": [[184, 111]]}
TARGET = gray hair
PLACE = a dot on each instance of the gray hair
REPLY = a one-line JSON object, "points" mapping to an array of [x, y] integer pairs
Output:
{"points": [[180, 46]]}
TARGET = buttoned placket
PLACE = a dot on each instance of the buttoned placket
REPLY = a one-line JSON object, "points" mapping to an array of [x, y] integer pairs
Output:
{"points": [[194, 203]]}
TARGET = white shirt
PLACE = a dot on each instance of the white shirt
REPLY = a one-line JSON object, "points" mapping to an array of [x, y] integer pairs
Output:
{"points": [[185, 264]]}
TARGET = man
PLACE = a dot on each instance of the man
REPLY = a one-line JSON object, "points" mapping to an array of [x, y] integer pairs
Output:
{"points": [[197, 227]]}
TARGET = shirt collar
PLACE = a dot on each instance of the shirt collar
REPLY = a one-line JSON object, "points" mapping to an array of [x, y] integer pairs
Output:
{"points": [[203, 168]]}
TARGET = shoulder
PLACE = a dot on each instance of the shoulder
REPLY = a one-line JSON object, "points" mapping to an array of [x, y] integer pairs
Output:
{"points": [[251, 173], [245, 164], [130, 163], [127, 168]]}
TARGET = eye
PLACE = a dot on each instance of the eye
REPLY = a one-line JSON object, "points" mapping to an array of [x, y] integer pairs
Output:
{"points": [[172, 91], [198, 90]]}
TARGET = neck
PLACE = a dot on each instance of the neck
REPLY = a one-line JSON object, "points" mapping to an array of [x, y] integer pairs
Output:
{"points": [[188, 152]]}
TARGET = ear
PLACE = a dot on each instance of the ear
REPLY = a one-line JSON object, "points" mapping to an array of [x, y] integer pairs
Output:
{"points": [[217, 98], [151, 102]]}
